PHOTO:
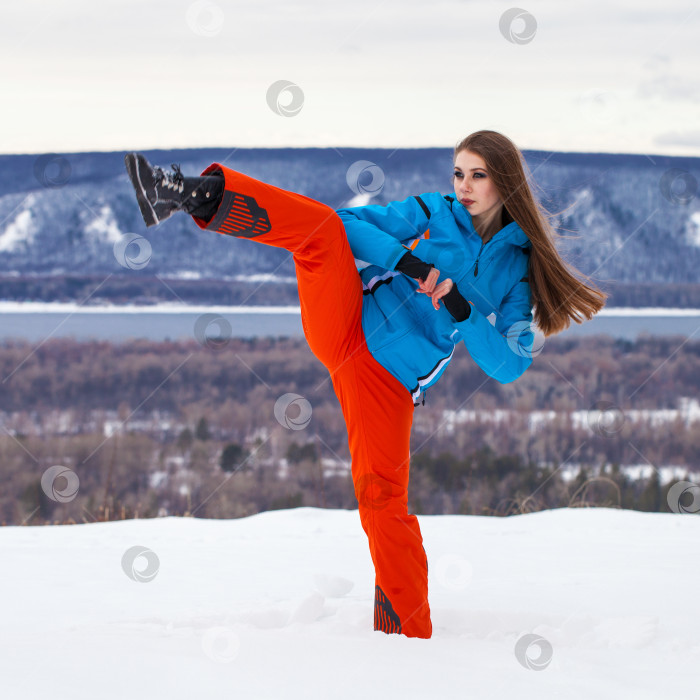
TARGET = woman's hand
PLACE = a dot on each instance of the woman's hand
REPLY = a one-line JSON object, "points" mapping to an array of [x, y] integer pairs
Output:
{"points": [[428, 285], [435, 292]]}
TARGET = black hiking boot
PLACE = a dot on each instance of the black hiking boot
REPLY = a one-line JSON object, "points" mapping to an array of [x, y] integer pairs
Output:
{"points": [[160, 194]]}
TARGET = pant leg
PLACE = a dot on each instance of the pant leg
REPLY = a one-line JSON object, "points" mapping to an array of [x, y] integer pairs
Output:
{"points": [[330, 290], [377, 408], [378, 414]]}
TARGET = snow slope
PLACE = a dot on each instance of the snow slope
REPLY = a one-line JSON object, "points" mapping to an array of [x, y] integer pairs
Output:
{"points": [[279, 605]]}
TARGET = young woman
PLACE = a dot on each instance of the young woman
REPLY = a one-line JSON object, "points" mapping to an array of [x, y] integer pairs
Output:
{"points": [[383, 334]]}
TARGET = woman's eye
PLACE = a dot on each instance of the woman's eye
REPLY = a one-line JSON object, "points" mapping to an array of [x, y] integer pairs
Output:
{"points": [[479, 175]]}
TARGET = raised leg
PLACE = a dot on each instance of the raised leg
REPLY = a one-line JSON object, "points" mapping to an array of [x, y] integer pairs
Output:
{"points": [[330, 290]]}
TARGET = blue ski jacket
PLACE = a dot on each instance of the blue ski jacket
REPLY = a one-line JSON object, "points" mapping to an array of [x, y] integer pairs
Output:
{"points": [[404, 332]]}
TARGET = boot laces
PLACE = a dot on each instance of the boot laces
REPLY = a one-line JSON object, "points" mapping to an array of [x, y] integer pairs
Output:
{"points": [[173, 181]]}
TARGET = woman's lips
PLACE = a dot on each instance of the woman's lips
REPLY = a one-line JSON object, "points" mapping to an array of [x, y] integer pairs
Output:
{"points": [[467, 202]]}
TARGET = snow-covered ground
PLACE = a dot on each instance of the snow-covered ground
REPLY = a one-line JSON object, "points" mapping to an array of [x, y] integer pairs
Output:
{"points": [[279, 605]]}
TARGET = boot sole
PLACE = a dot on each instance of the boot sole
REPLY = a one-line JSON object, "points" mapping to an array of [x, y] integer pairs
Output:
{"points": [[147, 211]]}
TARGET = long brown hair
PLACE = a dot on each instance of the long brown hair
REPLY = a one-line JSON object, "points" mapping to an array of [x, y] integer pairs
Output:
{"points": [[558, 295]]}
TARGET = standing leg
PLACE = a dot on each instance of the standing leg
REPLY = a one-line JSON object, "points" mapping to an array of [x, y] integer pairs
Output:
{"points": [[378, 413], [377, 408]]}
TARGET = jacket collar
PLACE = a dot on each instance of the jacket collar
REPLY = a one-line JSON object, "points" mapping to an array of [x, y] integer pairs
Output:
{"points": [[512, 233]]}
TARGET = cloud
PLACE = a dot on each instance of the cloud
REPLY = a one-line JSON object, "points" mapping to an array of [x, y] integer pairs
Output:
{"points": [[373, 72], [672, 87], [678, 138]]}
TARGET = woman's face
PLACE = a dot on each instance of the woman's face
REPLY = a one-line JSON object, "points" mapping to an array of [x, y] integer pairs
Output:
{"points": [[473, 186]]}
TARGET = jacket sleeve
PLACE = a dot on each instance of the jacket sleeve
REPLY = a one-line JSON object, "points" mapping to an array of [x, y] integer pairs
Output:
{"points": [[375, 232], [503, 350]]}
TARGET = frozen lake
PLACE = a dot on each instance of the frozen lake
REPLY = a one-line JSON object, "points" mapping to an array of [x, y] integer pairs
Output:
{"points": [[37, 321]]}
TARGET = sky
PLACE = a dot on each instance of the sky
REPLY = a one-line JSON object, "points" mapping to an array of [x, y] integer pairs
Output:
{"points": [[594, 76]]}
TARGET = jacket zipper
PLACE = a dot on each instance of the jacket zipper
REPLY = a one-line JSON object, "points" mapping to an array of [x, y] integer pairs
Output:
{"points": [[476, 266]]}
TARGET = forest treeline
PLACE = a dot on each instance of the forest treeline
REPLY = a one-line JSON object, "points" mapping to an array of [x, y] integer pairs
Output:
{"points": [[145, 288], [153, 428]]}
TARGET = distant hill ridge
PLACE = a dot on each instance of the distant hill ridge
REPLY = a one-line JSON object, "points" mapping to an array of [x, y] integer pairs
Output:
{"points": [[636, 217]]}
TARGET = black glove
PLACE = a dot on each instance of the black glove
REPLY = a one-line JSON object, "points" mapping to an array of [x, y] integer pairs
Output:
{"points": [[456, 304], [414, 267]]}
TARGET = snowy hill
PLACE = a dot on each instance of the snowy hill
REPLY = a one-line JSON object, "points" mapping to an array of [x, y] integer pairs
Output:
{"points": [[279, 605], [637, 217]]}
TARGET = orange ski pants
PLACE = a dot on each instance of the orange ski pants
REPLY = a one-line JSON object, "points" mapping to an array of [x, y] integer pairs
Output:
{"points": [[377, 408]]}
